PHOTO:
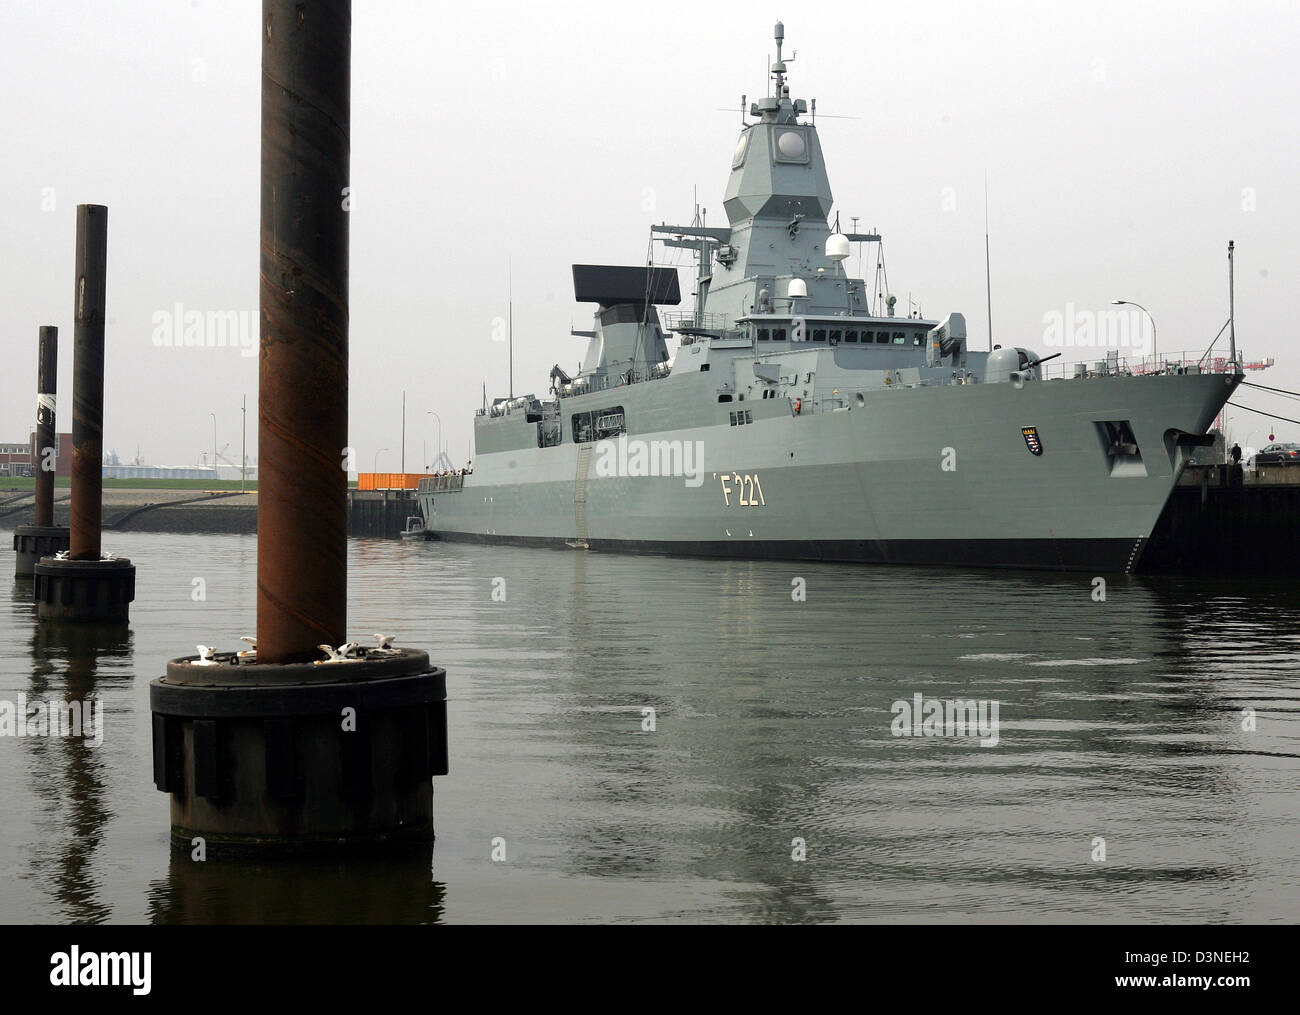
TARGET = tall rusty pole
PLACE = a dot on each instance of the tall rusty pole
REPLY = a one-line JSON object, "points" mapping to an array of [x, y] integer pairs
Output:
{"points": [[47, 382], [278, 750], [302, 522], [88, 382]]}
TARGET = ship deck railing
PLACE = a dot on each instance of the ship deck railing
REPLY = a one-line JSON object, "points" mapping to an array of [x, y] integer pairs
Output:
{"points": [[690, 322], [1105, 362], [441, 484], [617, 379]]}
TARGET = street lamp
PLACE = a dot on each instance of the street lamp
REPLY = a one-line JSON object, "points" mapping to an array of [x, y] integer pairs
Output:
{"points": [[214, 443], [430, 412], [375, 464], [1155, 353]]}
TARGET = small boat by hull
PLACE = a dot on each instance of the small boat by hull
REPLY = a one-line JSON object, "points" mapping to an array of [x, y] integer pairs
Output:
{"points": [[415, 529]]}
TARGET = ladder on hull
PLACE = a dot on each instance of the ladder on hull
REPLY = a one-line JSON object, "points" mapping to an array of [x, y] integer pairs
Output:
{"points": [[580, 497]]}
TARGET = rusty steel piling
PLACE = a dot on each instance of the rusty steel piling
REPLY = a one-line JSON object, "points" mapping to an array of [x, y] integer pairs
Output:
{"points": [[43, 538], [84, 586], [286, 749], [303, 372], [47, 383], [86, 511]]}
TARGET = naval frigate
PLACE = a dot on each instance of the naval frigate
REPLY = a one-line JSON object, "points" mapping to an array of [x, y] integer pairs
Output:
{"points": [[800, 419]]}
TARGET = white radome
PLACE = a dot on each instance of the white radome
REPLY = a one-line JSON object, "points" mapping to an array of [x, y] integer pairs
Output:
{"points": [[837, 247], [791, 144]]}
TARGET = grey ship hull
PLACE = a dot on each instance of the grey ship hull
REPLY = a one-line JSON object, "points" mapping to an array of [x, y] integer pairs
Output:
{"points": [[864, 483]]}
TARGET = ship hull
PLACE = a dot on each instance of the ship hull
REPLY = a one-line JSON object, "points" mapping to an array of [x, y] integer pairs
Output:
{"points": [[1100, 555], [938, 475]]}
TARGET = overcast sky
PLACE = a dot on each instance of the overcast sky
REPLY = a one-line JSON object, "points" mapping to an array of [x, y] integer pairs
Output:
{"points": [[1125, 143]]}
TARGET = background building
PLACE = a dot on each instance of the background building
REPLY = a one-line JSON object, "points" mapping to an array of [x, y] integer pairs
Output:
{"points": [[21, 459]]}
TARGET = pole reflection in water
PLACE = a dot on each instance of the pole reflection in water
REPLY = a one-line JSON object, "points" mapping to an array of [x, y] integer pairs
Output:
{"points": [[397, 889], [67, 765]]}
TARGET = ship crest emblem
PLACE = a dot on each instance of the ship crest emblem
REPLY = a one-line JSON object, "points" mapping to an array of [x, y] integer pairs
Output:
{"points": [[1032, 441]]}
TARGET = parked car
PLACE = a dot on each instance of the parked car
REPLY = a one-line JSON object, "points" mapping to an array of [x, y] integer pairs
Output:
{"points": [[1278, 454]]}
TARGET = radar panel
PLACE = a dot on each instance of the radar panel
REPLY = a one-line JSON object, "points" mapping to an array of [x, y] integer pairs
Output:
{"points": [[610, 285]]}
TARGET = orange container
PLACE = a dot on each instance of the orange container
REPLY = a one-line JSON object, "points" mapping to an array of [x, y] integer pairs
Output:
{"points": [[388, 480]]}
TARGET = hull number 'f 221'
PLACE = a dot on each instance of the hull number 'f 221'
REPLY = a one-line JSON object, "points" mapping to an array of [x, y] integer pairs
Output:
{"points": [[747, 490]]}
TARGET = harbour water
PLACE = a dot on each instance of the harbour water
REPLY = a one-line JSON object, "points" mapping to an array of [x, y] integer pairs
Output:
{"points": [[772, 786]]}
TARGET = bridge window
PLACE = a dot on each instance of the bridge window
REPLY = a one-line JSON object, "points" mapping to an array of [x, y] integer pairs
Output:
{"points": [[835, 335], [819, 335], [850, 336], [763, 334], [881, 337], [778, 334], [900, 338]]}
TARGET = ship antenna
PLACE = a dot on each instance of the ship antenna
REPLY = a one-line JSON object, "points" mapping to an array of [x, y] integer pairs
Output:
{"points": [[510, 321], [882, 275], [988, 278], [778, 68], [854, 220]]}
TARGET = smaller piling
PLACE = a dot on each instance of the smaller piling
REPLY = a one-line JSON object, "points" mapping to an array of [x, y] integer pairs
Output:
{"points": [[46, 450], [43, 538], [84, 585]]}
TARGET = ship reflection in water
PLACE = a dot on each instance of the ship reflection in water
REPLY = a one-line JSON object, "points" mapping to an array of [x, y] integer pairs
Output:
{"points": [[647, 738]]}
